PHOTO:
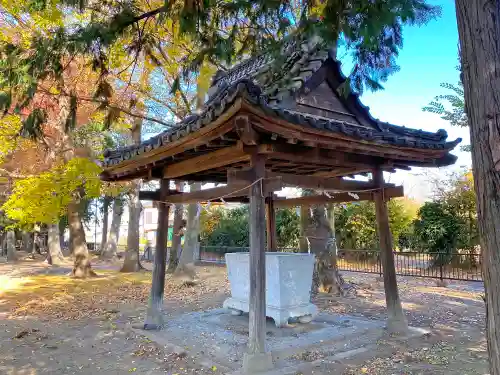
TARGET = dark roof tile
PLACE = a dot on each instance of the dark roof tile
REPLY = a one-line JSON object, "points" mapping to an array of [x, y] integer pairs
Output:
{"points": [[262, 83]]}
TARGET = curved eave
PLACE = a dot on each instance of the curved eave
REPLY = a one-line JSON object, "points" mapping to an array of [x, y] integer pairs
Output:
{"points": [[213, 122]]}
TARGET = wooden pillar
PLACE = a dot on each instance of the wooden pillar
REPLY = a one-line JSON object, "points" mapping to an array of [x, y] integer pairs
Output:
{"points": [[256, 360], [272, 244], [154, 317], [396, 319]]}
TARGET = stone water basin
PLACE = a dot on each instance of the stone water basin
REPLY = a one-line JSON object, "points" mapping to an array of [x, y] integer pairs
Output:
{"points": [[288, 286]]}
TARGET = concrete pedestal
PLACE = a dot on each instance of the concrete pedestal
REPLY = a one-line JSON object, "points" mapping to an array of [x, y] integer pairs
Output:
{"points": [[288, 286]]}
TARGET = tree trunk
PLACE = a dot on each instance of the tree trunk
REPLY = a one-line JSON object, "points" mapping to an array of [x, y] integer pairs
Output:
{"points": [[321, 240], [131, 263], [3, 247], [105, 220], [176, 238], [109, 248], [26, 238], [28, 243], [78, 245], [11, 246], [55, 255], [185, 269], [62, 229], [479, 32]]}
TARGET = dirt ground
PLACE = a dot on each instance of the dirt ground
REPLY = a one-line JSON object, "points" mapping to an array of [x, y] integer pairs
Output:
{"points": [[52, 324]]}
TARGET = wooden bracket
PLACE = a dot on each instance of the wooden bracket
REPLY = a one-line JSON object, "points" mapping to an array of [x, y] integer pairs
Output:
{"points": [[245, 130]]}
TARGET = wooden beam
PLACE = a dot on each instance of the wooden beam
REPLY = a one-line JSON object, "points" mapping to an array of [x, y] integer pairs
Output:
{"points": [[396, 321], [391, 192], [215, 159], [271, 224], [154, 316], [257, 282], [308, 182], [228, 191]]}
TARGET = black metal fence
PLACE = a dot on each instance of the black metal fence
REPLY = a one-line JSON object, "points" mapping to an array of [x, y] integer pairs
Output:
{"points": [[464, 265]]}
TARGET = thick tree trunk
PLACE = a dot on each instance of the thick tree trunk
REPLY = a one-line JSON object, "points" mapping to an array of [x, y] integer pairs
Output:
{"points": [[131, 263], [11, 246], [105, 221], [185, 269], [3, 247], [55, 255], [109, 248], [322, 243], [176, 238], [479, 32], [318, 237], [78, 245], [26, 239]]}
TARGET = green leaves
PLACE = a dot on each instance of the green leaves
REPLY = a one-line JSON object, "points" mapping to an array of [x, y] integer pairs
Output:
{"points": [[451, 107], [5, 102], [449, 222]]}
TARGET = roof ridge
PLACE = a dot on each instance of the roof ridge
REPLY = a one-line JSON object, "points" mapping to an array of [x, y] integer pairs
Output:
{"points": [[294, 49]]}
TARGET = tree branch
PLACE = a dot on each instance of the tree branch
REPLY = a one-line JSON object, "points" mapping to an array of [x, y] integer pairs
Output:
{"points": [[112, 106]]}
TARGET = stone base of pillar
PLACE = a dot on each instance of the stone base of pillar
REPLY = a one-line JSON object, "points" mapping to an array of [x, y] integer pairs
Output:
{"points": [[257, 363]]}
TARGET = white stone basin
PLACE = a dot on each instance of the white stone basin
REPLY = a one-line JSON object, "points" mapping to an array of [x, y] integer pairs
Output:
{"points": [[288, 285]]}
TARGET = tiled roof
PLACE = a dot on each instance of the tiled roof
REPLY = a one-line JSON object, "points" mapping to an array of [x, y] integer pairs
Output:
{"points": [[279, 73], [265, 82]]}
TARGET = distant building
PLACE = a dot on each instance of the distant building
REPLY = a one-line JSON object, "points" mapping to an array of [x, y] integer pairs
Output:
{"points": [[147, 225]]}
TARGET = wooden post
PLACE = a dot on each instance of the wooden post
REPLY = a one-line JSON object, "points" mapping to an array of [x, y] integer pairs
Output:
{"points": [[257, 360], [396, 319], [154, 317], [271, 224]]}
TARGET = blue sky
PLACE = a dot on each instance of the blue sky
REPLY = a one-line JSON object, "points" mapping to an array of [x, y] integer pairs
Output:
{"points": [[429, 57]]}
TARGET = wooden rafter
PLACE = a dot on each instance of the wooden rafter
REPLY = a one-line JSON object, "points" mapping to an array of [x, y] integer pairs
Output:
{"points": [[316, 156]]}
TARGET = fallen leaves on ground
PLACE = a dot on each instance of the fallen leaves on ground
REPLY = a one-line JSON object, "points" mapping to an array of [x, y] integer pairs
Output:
{"points": [[425, 360], [49, 297]]}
